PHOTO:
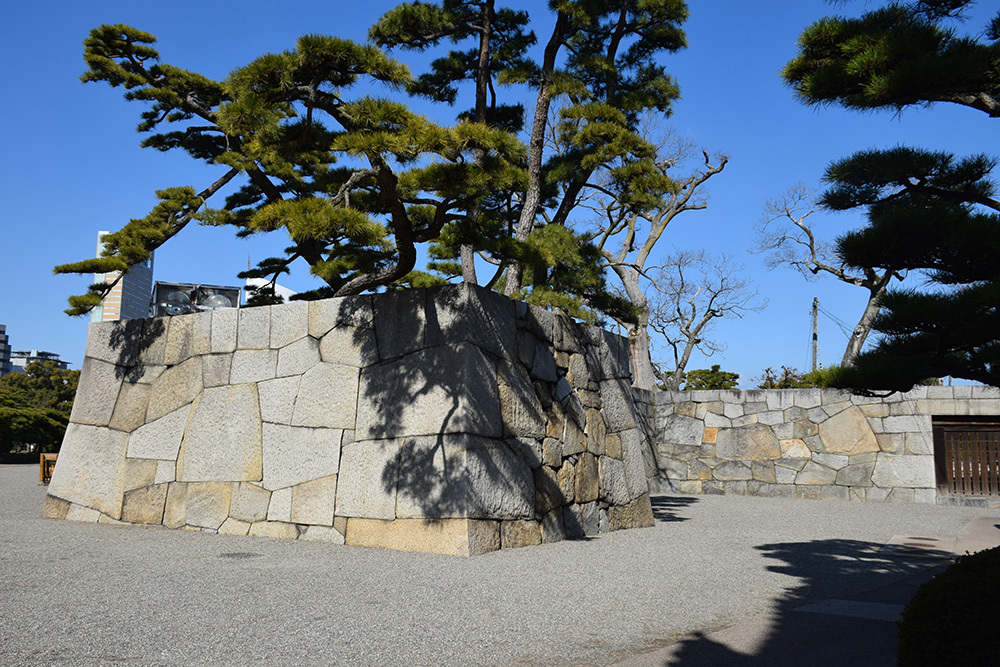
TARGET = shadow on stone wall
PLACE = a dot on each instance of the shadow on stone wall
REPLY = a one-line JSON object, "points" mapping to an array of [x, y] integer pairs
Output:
{"points": [[859, 591], [131, 339], [430, 406]]}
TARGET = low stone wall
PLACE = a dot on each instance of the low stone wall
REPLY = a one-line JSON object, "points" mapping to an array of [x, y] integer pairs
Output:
{"points": [[807, 443], [450, 420]]}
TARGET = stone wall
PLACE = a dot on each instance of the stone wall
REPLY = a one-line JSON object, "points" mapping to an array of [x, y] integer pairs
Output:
{"points": [[807, 443], [450, 420]]}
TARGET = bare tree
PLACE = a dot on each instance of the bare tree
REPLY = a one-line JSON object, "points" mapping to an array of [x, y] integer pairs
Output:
{"points": [[787, 238], [692, 290], [627, 235]]}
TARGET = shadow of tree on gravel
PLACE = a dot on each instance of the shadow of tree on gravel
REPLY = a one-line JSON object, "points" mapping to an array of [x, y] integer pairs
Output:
{"points": [[858, 628]]}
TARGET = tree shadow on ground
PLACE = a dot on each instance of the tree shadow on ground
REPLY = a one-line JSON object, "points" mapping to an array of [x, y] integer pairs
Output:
{"points": [[841, 611], [665, 508]]}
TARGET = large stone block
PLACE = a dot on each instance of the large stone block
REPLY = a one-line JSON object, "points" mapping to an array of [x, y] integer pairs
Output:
{"points": [[289, 323], [619, 408], [613, 490], [216, 369], [907, 424], [522, 413], [55, 508], [462, 476], [97, 392], [327, 534], [894, 470], [350, 346], [298, 357], [633, 445], [312, 502], [636, 514], [280, 506], [400, 319], [277, 399], [548, 494], [254, 329], [138, 473], [223, 439], [166, 471], [366, 483], [275, 530], [449, 537], [681, 430], [174, 514], [160, 439], [588, 480], [91, 468], [327, 398], [224, 323], [253, 366], [858, 474], [515, 534], [814, 473], [351, 311], [293, 455], [728, 471], [180, 339], [848, 433], [145, 505], [543, 365], [608, 356], [748, 443], [175, 387], [207, 504], [553, 527], [448, 389], [473, 314], [249, 502]]}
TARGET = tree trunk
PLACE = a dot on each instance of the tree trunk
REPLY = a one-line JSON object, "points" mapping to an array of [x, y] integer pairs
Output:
{"points": [[468, 253], [536, 145], [643, 376], [639, 340], [861, 331]]}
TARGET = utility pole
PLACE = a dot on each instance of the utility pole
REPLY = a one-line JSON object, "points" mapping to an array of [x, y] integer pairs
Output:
{"points": [[815, 340]]}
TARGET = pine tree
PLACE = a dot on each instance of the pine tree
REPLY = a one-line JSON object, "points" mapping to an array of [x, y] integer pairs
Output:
{"points": [[355, 182], [928, 212]]}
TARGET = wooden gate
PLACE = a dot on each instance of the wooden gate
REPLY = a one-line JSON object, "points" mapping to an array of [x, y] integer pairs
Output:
{"points": [[967, 456]]}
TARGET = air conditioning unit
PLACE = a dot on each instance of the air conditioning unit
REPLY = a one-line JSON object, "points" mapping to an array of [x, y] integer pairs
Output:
{"points": [[183, 298]]}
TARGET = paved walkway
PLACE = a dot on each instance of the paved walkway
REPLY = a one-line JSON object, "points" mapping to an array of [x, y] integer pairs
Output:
{"points": [[718, 580]]}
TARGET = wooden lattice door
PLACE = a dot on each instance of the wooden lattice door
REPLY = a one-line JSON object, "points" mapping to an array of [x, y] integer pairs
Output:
{"points": [[967, 456]]}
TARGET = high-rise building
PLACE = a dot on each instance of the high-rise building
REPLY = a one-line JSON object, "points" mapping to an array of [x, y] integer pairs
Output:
{"points": [[19, 359], [129, 299], [4, 351]]}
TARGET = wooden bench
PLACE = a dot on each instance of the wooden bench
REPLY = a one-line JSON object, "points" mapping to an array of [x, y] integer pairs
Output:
{"points": [[47, 464]]}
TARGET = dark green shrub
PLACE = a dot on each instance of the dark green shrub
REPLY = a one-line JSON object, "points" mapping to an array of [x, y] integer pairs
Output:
{"points": [[952, 620]]}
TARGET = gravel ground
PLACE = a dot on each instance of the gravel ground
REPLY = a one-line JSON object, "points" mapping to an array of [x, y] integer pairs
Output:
{"points": [[94, 594]]}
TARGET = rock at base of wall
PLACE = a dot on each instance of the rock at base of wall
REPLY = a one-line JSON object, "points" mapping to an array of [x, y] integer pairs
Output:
{"points": [[637, 514], [449, 537]]}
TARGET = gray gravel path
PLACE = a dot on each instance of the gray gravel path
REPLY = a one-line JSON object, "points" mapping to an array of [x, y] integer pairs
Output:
{"points": [[89, 594]]}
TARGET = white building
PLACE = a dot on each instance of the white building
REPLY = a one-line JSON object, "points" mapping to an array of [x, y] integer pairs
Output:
{"points": [[21, 358]]}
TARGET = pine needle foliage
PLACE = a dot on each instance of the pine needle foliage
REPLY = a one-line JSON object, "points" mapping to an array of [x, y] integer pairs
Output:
{"points": [[931, 213]]}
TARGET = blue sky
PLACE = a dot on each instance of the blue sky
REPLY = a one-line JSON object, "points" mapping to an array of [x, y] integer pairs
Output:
{"points": [[73, 166]]}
